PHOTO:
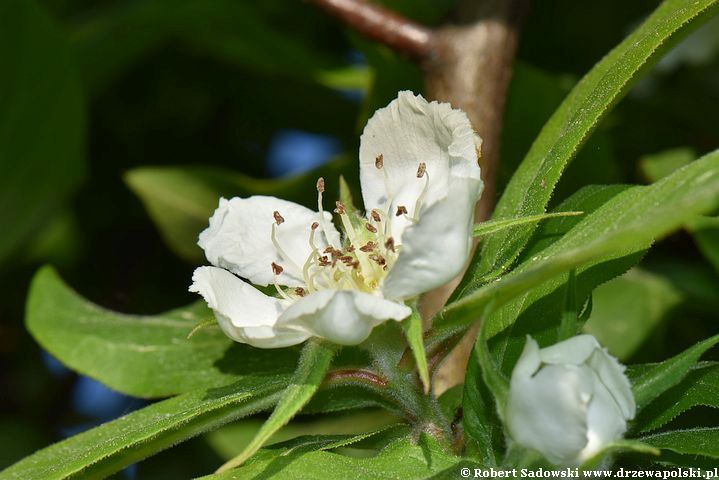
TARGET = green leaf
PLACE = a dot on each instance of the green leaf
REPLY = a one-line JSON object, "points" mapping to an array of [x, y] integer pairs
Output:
{"points": [[569, 324], [532, 185], [180, 200], [144, 356], [661, 377], [629, 308], [42, 122], [626, 224], [493, 226], [313, 365], [482, 427], [101, 451], [658, 165], [401, 459], [696, 441], [706, 234], [231, 439], [699, 388], [415, 338]]}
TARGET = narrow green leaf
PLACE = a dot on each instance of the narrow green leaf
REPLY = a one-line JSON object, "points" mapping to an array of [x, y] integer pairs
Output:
{"points": [[628, 223], [107, 449], [495, 380], [532, 185], [401, 459], [662, 376], [482, 427], [569, 324], [415, 338], [143, 356], [494, 226], [313, 365], [42, 122], [696, 441], [706, 234], [699, 387]]}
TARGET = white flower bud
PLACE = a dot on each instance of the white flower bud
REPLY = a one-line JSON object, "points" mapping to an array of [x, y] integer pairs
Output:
{"points": [[568, 401]]}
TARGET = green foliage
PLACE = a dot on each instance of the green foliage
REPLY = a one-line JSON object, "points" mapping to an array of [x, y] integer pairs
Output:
{"points": [[145, 356], [415, 338], [695, 441], [659, 165], [699, 388], [532, 185], [311, 370], [661, 377], [401, 459], [109, 448], [42, 122]]}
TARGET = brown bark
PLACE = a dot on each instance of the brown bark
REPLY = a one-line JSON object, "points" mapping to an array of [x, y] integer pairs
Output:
{"points": [[470, 68]]}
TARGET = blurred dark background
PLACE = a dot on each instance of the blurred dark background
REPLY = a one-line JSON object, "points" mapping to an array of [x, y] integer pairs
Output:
{"points": [[90, 91]]}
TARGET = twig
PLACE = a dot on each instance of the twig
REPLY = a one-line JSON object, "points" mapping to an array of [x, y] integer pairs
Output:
{"points": [[382, 25]]}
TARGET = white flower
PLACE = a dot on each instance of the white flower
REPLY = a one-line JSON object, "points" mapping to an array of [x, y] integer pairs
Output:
{"points": [[420, 180], [568, 401]]}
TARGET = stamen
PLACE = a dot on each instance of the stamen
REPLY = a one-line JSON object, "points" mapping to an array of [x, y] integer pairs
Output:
{"points": [[300, 292], [379, 161], [376, 216], [314, 225], [277, 269], [320, 189], [340, 207], [401, 210], [368, 247], [370, 227], [279, 220], [389, 244], [421, 169], [320, 185], [281, 251]]}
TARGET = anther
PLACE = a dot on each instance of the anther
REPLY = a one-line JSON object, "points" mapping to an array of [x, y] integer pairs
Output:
{"points": [[370, 227], [315, 225], [421, 169], [401, 210], [389, 244], [340, 207], [375, 216], [323, 261], [321, 185], [278, 218], [277, 269], [300, 291], [350, 248], [368, 247], [379, 161]]}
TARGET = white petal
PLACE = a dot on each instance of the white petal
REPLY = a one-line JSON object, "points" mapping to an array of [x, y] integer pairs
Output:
{"points": [[345, 317], [547, 411], [239, 238], [605, 422], [611, 374], [244, 313], [409, 131], [435, 249], [574, 350]]}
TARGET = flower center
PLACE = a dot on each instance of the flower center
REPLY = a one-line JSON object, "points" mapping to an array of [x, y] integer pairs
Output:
{"points": [[364, 256]]}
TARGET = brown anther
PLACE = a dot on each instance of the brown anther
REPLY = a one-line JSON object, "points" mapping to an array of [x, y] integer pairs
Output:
{"points": [[385, 268], [321, 185], [279, 219], [329, 249], [346, 259], [389, 244], [379, 161], [355, 264], [350, 248], [323, 261], [314, 226], [368, 247], [370, 227], [340, 207], [300, 291], [421, 169], [376, 216], [401, 210], [276, 269], [378, 258]]}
